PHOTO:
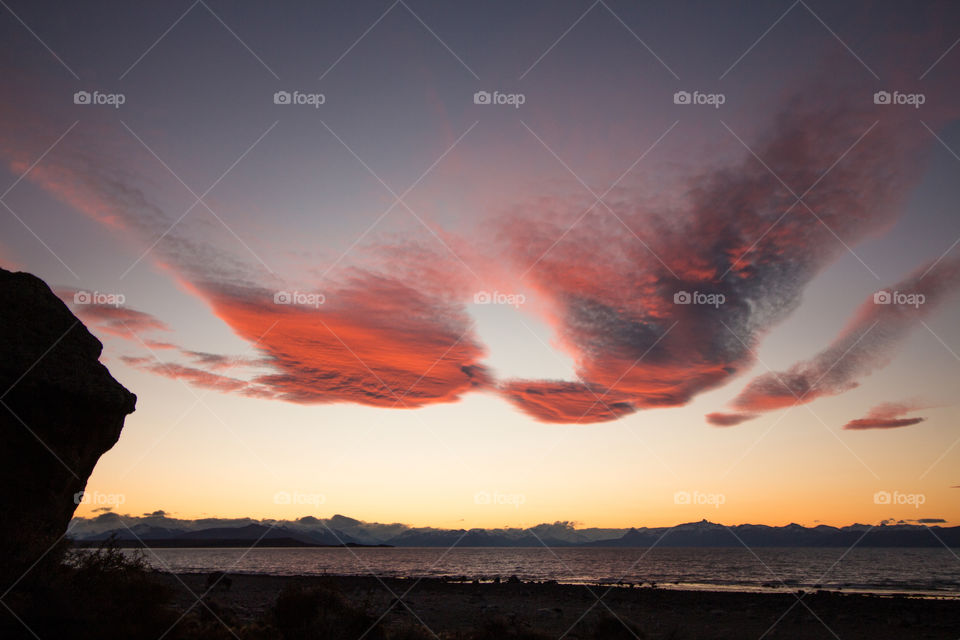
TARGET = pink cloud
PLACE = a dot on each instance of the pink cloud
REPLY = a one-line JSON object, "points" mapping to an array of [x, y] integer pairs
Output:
{"points": [[743, 248], [888, 415], [192, 375], [396, 332], [868, 343], [375, 341]]}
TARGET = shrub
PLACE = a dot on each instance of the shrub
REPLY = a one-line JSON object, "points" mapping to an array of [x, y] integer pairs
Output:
{"points": [[311, 613], [97, 594]]}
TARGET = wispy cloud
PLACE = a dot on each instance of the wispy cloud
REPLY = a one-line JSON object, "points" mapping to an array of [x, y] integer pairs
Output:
{"points": [[722, 271], [657, 301], [869, 342], [888, 415]]}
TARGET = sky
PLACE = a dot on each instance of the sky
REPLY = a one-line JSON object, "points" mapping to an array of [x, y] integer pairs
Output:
{"points": [[494, 264]]}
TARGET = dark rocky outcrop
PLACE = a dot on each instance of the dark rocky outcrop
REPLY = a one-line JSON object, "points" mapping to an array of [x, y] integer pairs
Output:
{"points": [[60, 410]]}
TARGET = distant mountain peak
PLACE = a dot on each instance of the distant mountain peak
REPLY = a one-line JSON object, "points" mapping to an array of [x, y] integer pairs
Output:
{"points": [[340, 529]]}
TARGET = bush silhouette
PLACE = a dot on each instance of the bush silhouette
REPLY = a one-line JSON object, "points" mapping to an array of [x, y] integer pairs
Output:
{"points": [[96, 594]]}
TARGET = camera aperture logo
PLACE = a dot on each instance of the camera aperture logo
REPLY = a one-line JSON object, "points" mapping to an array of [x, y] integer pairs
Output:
{"points": [[899, 297], [299, 298], [296, 497], [710, 99], [99, 298], [299, 98], [495, 297], [897, 498], [896, 97], [698, 297], [497, 498], [699, 498], [512, 99], [99, 98], [99, 499]]}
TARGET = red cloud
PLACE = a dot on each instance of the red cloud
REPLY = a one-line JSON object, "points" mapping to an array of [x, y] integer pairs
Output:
{"points": [[115, 319], [656, 307], [886, 416], [128, 323], [159, 344], [377, 341], [728, 419], [865, 345], [197, 377], [399, 340], [565, 402], [403, 339], [217, 361], [873, 423]]}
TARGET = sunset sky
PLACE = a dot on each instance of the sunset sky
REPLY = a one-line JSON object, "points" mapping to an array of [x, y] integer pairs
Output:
{"points": [[583, 297]]}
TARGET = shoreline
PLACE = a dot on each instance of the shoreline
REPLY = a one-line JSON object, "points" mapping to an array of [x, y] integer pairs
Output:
{"points": [[450, 608], [893, 592]]}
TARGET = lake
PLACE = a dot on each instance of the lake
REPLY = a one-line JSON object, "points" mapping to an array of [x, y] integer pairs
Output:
{"points": [[931, 571]]}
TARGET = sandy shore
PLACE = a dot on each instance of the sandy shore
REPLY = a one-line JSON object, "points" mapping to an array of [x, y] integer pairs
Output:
{"points": [[453, 609]]}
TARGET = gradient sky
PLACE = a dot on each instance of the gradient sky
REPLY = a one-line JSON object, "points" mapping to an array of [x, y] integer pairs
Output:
{"points": [[596, 397]]}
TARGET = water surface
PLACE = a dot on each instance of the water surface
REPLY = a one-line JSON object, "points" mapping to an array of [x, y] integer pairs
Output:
{"points": [[927, 570]]}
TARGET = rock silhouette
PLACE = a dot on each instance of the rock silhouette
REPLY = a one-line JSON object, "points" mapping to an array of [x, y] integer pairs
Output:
{"points": [[60, 410]]}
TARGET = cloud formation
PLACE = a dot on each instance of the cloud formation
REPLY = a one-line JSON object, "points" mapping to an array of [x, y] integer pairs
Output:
{"points": [[115, 319], [868, 342], [659, 306], [375, 341], [655, 302], [197, 377], [888, 415]]}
